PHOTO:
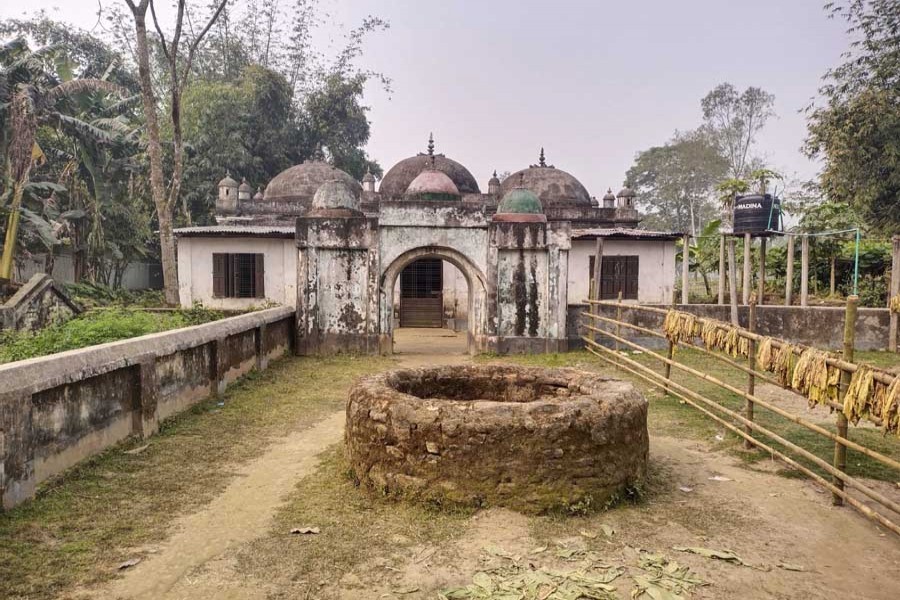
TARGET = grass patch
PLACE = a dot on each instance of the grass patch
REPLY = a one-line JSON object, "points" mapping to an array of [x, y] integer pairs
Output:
{"points": [[356, 525], [98, 327], [83, 524]]}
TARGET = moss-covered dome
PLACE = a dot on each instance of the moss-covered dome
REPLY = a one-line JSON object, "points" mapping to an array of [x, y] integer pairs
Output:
{"points": [[334, 195], [301, 182], [520, 205]]}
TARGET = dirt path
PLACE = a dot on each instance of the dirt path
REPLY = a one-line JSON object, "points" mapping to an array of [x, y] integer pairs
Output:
{"points": [[195, 561]]}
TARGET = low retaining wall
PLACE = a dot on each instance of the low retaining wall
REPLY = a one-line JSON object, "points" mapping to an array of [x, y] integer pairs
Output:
{"points": [[57, 410], [818, 326]]}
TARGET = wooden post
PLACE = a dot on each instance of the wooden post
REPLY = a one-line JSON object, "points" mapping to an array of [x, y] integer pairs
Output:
{"points": [[722, 268], [895, 291], [670, 354], [789, 275], [840, 451], [761, 293], [804, 271], [751, 379], [748, 242], [595, 292], [732, 281], [685, 267], [619, 319], [832, 287]]}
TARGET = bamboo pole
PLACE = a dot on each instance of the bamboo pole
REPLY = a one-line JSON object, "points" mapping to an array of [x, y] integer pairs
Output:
{"points": [[732, 281], [789, 275], [685, 268], [825, 465], [598, 266], [618, 318], [895, 291], [761, 293], [804, 270], [751, 378], [767, 405], [840, 451], [862, 508], [748, 243], [670, 354], [722, 267]]}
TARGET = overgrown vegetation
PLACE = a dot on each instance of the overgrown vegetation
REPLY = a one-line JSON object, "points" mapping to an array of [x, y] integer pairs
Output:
{"points": [[98, 327]]}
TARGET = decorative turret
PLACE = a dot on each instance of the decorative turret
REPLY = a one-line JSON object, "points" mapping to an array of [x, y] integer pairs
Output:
{"points": [[368, 181], [494, 185], [259, 194], [609, 200], [244, 190], [226, 203], [626, 197]]}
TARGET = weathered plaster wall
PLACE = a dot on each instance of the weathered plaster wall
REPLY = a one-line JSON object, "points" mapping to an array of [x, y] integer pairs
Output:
{"points": [[821, 327], [57, 410], [37, 304], [456, 296], [656, 267], [195, 270]]}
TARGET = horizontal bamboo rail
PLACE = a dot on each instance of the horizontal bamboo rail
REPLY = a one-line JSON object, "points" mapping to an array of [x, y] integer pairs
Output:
{"points": [[879, 375], [886, 460], [684, 393], [764, 376], [707, 351]]}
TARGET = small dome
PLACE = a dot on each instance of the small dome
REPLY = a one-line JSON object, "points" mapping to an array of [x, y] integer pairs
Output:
{"points": [[368, 177], [626, 192], [227, 181], [520, 205], [245, 187], [432, 184], [301, 182], [494, 180], [259, 194], [609, 197], [335, 194]]}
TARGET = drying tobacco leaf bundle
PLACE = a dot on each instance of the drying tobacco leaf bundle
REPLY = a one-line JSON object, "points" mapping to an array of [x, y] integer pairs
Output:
{"points": [[886, 405], [735, 344], [814, 378], [783, 364], [680, 326], [895, 304], [859, 393], [765, 357]]}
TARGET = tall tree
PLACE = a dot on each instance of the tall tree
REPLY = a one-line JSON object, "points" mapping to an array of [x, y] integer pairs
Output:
{"points": [[675, 182], [733, 120], [857, 128], [179, 68]]}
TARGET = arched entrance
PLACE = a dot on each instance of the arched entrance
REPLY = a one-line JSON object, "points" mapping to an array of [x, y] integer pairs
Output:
{"points": [[424, 259]]}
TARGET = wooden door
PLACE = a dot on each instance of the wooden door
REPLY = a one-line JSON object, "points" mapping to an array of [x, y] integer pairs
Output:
{"points": [[421, 294]]}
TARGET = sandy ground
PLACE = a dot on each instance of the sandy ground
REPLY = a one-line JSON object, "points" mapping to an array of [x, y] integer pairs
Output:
{"points": [[764, 518]]}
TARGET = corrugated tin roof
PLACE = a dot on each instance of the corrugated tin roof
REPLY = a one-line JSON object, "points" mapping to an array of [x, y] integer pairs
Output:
{"points": [[237, 230], [624, 233]]}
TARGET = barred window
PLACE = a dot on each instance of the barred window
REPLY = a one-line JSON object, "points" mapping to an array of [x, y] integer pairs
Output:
{"points": [[238, 275]]}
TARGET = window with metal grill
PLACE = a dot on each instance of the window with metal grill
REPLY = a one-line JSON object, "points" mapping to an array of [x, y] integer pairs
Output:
{"points": [[238, 275], [617, 274]]}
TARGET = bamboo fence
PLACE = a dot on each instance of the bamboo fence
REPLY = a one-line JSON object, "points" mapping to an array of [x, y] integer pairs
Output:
{"points": [[878, 507]]}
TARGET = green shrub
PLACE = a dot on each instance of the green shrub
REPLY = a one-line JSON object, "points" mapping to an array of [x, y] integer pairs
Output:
{"points": [[98, 327]]}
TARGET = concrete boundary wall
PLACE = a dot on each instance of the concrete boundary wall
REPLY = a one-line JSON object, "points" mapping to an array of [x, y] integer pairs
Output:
{"points": [[817, 326], [58, 410]]}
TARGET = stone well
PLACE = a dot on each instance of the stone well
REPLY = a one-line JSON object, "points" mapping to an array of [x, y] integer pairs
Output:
{"points": [[530, 439]]}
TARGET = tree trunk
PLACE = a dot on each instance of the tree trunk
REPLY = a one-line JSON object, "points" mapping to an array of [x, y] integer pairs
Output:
{"points": [[154, 147], [12, 230], [831, 282]]}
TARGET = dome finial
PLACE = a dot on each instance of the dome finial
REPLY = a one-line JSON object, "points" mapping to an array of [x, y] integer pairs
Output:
{"points": [[495, 172], [431, 144], [541, 161]]}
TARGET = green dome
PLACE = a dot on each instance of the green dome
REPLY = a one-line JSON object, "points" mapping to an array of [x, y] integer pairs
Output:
{"points": [[520, 201]]}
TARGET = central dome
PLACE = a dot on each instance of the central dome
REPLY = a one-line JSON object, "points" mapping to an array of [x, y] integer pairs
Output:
{"points": [[553, 186], [397, 180], [432, 184], [301, 182]]}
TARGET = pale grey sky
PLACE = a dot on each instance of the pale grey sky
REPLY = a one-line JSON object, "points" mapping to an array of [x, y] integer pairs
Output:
{"points": [[594, 82]]}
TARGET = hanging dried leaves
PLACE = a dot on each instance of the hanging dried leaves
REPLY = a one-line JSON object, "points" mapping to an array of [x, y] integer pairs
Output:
{"points": [[680, 327], [815, 379], [895, 304]]}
